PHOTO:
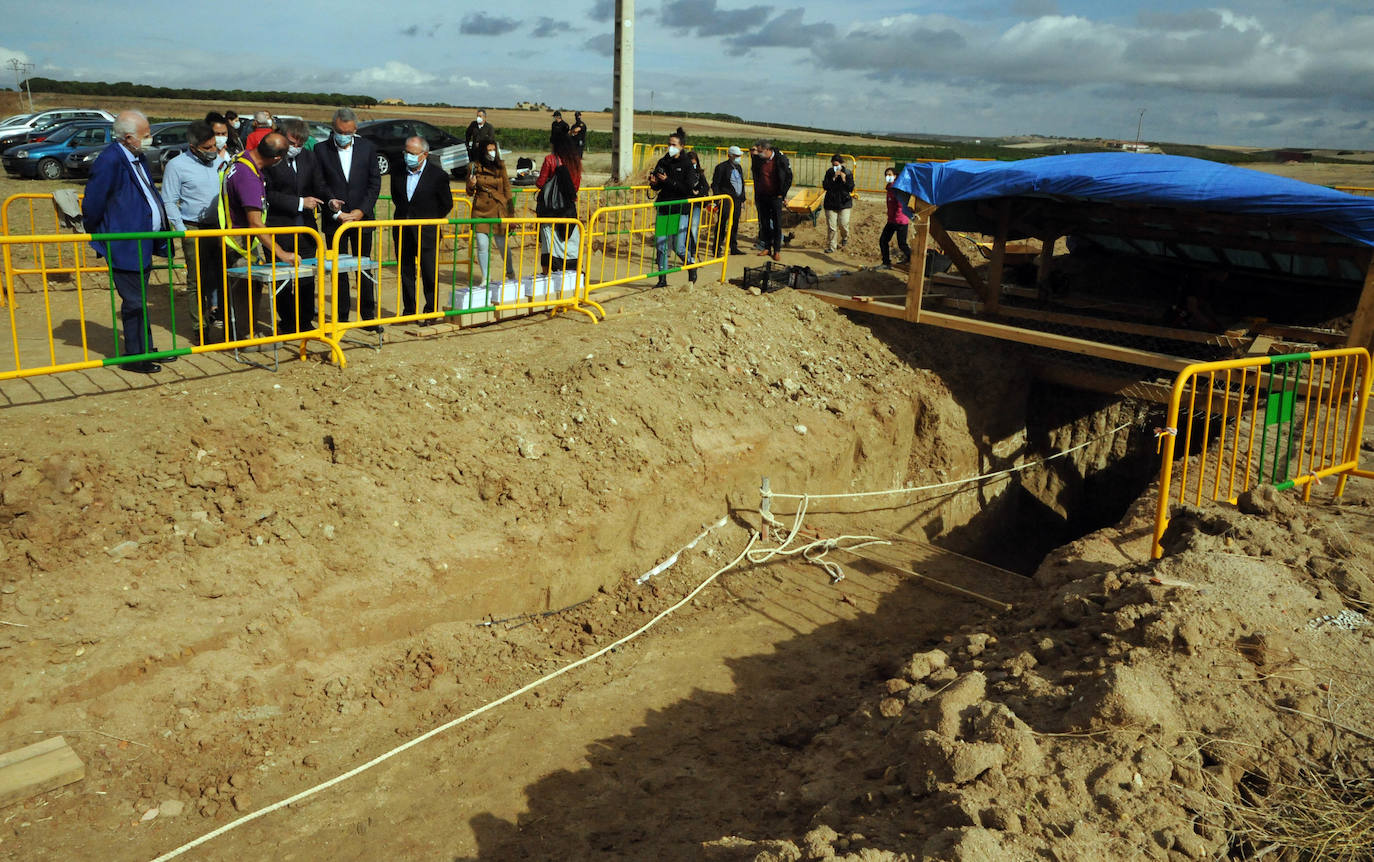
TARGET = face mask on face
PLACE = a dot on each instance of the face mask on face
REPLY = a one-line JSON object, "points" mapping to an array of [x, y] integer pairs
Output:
{"points": [[491, 155], [202, 156], [836, 168], [412, 161], [221, 141], [144, 143], [889, 178], [481, 122], [234, 124], [344, 141], [673, 151], [292, 152], [735, 159]]}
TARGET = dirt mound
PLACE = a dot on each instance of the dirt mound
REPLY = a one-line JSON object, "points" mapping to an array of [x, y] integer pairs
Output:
{"points": [[1207, 705]]}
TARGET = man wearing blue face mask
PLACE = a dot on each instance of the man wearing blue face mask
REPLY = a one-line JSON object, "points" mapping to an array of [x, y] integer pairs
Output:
{"points": [[421, 191], [291, 202], [347, 178], [190, 192]]}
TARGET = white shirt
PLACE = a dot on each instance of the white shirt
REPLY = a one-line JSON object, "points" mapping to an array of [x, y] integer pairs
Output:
{"points": [[346, 161], [413, 180], [145, 183]]}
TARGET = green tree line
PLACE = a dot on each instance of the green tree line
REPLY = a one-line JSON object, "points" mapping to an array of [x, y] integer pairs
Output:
{"points": [[128, 89]]}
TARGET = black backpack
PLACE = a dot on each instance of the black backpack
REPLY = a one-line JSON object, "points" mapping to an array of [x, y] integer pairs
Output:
{"points": [[558, 197]]}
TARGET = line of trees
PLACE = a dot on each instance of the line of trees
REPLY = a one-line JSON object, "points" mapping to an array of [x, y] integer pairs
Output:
{"points": [[128, 89]]}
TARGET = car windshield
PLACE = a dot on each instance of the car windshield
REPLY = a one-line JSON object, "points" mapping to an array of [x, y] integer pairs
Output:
{"points": [[14, 119], [62, 134]]}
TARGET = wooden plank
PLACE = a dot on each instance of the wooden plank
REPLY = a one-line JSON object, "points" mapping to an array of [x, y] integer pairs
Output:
{"points": [[884, 309], [916, 267], [1083, 347], [952, 250], [1303, 333], [999, 256], [1106, 325], [1362, 325], [38, 768], [1042, 272]]}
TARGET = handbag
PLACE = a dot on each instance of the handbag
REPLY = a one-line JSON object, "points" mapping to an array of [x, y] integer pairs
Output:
{"points": [[558, 197]]}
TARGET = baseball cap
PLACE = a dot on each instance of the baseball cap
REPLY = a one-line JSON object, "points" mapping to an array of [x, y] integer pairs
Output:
{"points": [[736, 151]]}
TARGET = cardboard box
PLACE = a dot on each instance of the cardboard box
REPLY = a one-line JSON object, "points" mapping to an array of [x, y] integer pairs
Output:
{"points": [[558, 285], [472, 297]]}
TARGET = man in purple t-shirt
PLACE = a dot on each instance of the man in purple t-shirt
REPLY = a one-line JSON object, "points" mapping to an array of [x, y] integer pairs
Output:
{"points": [[243, 203]]}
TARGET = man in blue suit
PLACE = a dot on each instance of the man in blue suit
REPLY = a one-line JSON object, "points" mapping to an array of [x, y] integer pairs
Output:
{"points": [[120, 198]]}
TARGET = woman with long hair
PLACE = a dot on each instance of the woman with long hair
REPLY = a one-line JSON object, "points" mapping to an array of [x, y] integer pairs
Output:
{"points": [[558, 244], [489, 187]]}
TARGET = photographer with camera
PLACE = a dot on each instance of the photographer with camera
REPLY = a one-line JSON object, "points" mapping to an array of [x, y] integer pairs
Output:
{"points": [[839, 201]]}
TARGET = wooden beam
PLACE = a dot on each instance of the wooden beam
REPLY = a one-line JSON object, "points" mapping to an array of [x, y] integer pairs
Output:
{"points": [[1149, 330], [956, 254], [1083, 347], [883, 309], [1361, 332], [1042, 272], [999, 256], [38, 768], [916, 266]]}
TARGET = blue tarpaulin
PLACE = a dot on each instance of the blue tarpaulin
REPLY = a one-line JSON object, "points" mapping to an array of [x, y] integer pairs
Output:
{"points": [[1144, 179]]}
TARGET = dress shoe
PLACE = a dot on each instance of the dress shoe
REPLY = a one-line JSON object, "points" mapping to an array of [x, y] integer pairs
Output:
{"points": [[373, 328], [142, 367], [736, 251], [692, 275], [662, 281], [165, 359]]}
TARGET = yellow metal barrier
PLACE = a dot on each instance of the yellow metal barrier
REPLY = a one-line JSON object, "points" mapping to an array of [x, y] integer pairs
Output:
{"points": [[622, 243], [492, 266], [1363, 191], [20, 216], [65, 331], [1289, 421]]}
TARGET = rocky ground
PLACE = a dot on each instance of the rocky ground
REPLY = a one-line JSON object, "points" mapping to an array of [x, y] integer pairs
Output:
{"points": [[226, 586]]}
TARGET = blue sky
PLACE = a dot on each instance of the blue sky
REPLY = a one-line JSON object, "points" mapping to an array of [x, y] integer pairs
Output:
{"points": [[1262, 73]]}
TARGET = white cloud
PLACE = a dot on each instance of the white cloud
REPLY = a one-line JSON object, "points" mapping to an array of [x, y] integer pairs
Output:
{"points": [[393, 73]]}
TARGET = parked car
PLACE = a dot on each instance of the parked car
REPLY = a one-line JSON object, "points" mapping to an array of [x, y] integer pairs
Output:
{"points": [[21, 131], [169, 140], [46, 159], [390, 137], [318, 131], [13, 119]]}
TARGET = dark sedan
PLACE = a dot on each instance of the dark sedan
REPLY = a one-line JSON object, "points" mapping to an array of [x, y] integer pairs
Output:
{"points": [[169, 139], [390, 136], [46, 159]]}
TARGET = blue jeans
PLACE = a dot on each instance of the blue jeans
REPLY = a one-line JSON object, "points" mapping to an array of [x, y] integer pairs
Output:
{"points": [[679, 241]]}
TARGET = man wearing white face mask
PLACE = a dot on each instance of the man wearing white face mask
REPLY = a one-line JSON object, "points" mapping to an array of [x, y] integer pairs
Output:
{"points": [[120, 198], [421, 191], [480, 132], [349, 180], [674, 179]]}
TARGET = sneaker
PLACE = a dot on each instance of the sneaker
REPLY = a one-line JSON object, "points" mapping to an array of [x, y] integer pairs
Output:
{"points": [[692, 275], [829, 251], [884, 266]]}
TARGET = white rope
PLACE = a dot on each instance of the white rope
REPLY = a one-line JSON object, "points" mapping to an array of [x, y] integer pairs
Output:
{"points": [[952, 482], [813, 552], [338, 779]]}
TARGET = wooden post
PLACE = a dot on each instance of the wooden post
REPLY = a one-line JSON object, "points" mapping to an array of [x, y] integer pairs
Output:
{"points": [[1042, 274], [1361, 332], [956, 254], [999, 256], [916, 273]]}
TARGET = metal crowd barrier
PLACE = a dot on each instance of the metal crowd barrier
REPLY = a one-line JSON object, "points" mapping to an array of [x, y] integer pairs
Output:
{"points": [[1289, 421], [511, 274], [67, 330], [621, 242]]}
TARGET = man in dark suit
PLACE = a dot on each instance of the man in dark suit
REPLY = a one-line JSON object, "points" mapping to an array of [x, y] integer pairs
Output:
{"points": [[120, 198], [420, 192], [348, 180], [478, 133], [728, 179], [291, 202]]}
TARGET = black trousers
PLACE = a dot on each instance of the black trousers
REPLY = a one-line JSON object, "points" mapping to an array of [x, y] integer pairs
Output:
{"points": [[888, 230], [770, 223], [734, 229], [131, 285], [412, 243], [359, 244]]}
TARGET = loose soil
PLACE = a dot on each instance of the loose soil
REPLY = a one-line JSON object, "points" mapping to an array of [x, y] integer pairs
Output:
{"points": [[224, 586]]}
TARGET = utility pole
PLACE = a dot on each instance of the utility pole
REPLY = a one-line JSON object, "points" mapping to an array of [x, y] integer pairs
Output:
{"points": [[623, 109], [19, 69], [1138, 123]]}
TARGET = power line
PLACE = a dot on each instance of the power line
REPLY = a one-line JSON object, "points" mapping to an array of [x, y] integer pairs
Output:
{"points": [[20, 68]]}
